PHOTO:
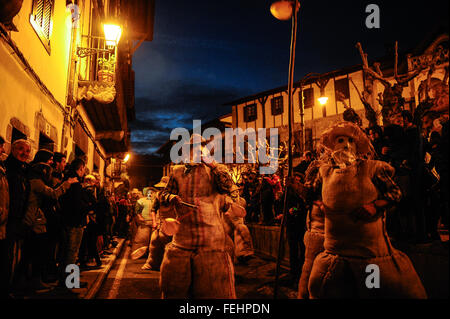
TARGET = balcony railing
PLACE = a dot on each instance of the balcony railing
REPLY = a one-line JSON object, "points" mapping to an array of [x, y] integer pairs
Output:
{"points": [[97, 60]]}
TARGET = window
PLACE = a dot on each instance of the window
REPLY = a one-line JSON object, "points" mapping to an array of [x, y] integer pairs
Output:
{"points": [[46, 143], [250, 113], [342, 87], [277, 105], [308, 95], [41, 20]]}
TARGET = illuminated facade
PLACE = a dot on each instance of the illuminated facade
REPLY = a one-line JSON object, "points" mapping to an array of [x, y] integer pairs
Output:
{"points": [[62, 87]]}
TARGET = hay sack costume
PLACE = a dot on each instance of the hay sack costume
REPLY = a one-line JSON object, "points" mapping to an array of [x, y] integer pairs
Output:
{"points": [[159, 239], [355, 232], [241, 246], [195, 263], [315, 226]]}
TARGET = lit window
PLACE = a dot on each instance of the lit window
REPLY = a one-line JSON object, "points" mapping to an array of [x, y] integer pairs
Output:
{"points": [[41, 20]]}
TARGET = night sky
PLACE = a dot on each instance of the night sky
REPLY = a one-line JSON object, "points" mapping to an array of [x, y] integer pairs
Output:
{"points": [[207, 53]]}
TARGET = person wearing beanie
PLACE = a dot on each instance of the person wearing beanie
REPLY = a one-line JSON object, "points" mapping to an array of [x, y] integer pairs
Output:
{"points": [[43, 156], [35, 244]]}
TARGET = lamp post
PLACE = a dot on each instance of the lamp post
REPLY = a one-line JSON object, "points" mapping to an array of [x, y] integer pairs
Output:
{"points": [[284, 10]]}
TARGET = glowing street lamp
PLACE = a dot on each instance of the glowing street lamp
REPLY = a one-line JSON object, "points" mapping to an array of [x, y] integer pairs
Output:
{"points": [[323, 100], [112, 34], [282, 10], [112, 37]]}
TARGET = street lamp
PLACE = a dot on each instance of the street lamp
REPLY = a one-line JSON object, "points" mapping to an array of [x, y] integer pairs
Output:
{"points": [[112, 34], [283, 10], [323, 100], [127, 157], [112, 37]]}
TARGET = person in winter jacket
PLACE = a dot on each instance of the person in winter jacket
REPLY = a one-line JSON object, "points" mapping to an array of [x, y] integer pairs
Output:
{"points": [[74, 209], [4, 210], [35, 245], [19, 188]]}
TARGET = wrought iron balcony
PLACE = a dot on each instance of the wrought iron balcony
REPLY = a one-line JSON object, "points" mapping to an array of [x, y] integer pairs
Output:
{"points": [[97, 60]]}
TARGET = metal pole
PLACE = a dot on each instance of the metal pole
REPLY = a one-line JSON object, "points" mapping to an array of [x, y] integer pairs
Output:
{"points": [[302, 113], [290, 106]]}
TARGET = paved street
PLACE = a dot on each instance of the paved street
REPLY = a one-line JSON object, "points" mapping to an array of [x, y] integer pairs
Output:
{"points": [[253, 281]]}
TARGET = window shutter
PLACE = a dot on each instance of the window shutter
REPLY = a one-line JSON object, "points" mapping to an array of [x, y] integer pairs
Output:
{"points": [[47, 18], [41, 20], [309, 98], [277, 105], [342, 87], [250, 113]]}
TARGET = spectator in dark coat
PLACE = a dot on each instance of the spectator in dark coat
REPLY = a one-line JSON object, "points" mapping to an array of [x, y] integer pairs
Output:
{"points": [[53, 214], [89, 242], [303, 166], [75, 209], [296, 227], [4, 210], [36, 243], [19, 189]]}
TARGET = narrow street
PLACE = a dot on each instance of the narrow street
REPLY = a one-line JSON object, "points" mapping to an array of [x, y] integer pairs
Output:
{"points": [[255, 280]]}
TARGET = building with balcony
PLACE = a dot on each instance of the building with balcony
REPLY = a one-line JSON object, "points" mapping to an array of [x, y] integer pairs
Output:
{"points": [[342, 88], [63, 86]]}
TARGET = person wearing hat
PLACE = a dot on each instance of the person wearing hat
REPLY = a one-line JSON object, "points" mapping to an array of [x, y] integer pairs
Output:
{"points": [[355, 194], [145, 222], [241, 241], [196, 264], [159, 238], [35, 245]]}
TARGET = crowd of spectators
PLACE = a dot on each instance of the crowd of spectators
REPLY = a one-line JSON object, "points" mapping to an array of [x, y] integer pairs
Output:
{"points": [[419, 154], [51, 215]]}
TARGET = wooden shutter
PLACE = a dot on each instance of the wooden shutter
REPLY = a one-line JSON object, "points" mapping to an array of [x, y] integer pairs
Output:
{"points": [[41, 20], [342, 87], [277, 105], [309, 98], [250, 113]]}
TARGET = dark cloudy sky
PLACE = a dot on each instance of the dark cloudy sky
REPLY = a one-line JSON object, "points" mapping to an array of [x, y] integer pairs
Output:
{"points": [[206, 53]]}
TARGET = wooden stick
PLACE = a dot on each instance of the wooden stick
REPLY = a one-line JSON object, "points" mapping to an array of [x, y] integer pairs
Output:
{"points": [[363, 55], [396, 61], [377, 66]]}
